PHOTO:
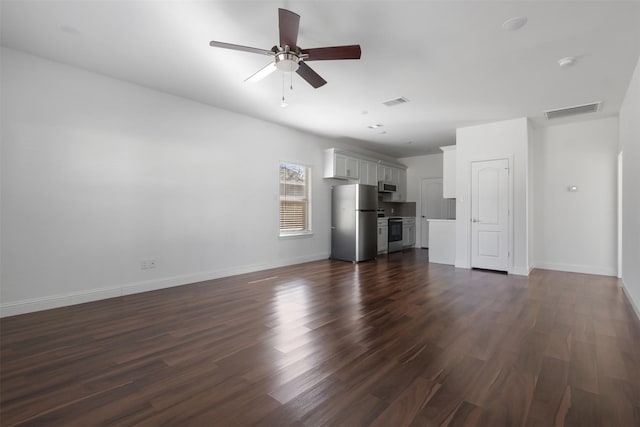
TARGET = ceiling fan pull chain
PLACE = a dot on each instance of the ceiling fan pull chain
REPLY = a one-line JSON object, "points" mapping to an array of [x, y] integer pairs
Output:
{"points": [[283, 103]]}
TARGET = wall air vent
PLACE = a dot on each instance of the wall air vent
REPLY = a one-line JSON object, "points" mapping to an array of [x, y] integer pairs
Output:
{"points": [[396, 101], [594, 107]]}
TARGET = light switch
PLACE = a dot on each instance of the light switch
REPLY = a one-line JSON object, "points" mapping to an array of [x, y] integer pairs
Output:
{"points": [[573, 189]]}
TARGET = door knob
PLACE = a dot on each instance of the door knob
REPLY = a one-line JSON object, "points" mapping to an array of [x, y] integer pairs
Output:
{"points": [[474, 220]]}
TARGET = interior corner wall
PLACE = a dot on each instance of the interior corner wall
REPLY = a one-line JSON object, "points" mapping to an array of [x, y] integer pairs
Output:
{"points": [[629, 132], [99, 174], [419, 168], [503, 139], [576, 231], [531, 177]]}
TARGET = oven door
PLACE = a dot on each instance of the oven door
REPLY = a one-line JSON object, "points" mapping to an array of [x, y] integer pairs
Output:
{"points": [[395, 235]]}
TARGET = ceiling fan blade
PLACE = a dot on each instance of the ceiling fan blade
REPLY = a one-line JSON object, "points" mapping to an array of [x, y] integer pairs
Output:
{"points": [[289, 23], [334, 52], [214, 43], [310, 76], [261, 73]]}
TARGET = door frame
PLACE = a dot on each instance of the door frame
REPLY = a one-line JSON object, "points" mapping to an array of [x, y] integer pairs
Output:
{"points": [[509, 159], [620, 184]]}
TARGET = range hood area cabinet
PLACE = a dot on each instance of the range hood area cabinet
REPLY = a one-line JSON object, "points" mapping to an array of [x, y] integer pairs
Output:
{"points": [[341, 165], [398, 177], [449, 172], [366, 170]]}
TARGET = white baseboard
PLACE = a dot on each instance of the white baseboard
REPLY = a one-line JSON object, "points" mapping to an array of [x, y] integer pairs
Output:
{"points": [[520, 271], [62, 300], [441, 261], [630, 299], [576, 268]]}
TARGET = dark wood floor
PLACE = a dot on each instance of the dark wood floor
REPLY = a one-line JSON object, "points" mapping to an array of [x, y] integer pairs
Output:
{"points": [[394, 342]]}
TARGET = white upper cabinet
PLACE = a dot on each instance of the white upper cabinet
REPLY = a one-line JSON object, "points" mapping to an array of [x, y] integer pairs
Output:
{"points": [[385, 173], [400, 180], [340, 165], [368, 172], [402, 185], [449, 172]]}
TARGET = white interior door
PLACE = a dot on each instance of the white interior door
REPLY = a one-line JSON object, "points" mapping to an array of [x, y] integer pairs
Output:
{"points": [[431, 202], [490, 214]]}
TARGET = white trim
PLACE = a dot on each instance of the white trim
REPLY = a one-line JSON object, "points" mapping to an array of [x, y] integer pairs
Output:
{"points": [[520, 271], [72, 298], [448, 148], [577, 268], [308, 187], [620, 185], [290, 234], [636, 309]]}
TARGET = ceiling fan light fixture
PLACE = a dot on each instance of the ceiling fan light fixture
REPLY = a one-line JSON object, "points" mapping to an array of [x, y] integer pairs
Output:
{"points": [[287, 62]]}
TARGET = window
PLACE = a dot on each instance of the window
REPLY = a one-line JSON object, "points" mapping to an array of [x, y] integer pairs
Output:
{"points": [[295, 203]]}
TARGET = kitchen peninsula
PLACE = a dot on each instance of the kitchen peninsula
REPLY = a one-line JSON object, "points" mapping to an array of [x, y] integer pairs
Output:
{"points": [[442, 241]]}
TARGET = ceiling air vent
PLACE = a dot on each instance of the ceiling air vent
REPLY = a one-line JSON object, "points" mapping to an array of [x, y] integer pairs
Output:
{"points": [[594, 107], [396, 101]]}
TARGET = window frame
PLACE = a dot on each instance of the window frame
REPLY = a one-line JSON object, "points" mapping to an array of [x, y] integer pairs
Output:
{"points": [[308, 231]]}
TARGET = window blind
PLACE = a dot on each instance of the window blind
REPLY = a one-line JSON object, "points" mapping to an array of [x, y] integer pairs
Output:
{"points": [[294, 200]]}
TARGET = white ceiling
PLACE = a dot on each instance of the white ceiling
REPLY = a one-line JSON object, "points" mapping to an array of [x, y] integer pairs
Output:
{"points": [[451, 59]]}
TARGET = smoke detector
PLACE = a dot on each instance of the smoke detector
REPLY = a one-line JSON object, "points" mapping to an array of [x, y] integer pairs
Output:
{"points": [[514, 24]]}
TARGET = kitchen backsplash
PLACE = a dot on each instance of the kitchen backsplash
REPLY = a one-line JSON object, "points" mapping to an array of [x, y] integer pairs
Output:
{"points": [[398, 208]]}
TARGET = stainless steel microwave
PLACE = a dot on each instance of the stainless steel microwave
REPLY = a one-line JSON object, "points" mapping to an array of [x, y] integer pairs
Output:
{"points": [[386, 187]]}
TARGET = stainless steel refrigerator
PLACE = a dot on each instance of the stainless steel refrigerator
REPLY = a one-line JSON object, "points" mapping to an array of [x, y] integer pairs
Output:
{"points": [[354, 222]]}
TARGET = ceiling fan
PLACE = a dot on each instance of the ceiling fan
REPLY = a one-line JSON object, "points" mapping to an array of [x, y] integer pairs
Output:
{"points": [[289, 57]]}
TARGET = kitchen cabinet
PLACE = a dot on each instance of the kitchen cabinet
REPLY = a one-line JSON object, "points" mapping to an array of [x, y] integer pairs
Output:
{"points": [[408, 232], [340, 165], [449, 171], [368, 172], [401, 181], [385, 173], [399, 178], [383, 235]]}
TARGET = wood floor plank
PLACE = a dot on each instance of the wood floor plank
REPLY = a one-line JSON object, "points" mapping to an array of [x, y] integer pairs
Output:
{"points": [[394, 342], [549, 390], [404, 409]]}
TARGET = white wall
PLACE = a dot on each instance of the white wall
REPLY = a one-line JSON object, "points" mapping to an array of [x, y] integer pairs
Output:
{"points": [[534, 136], [629, 130], [489, 141], [98, 174], [418, 168], [576, 231]]}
